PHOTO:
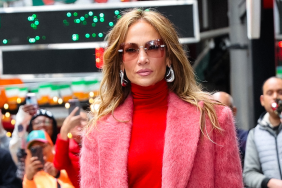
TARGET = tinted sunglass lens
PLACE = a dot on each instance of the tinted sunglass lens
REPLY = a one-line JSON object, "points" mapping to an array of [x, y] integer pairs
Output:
{"points": [[130, 51], [154, 49]]}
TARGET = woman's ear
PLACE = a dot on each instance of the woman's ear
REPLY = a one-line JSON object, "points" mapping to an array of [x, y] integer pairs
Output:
{"points": [[168, 62]]}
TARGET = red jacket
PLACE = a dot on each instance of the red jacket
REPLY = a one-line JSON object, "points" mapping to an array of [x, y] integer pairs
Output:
{"points": [[67, 157], [190, 159]]}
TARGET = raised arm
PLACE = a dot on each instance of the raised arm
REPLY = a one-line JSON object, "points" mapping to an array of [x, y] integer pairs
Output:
{"points": [[62, 160]]}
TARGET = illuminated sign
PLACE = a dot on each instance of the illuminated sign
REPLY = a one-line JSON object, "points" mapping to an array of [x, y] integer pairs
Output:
{"points": [[61, 40], [91, 23]]}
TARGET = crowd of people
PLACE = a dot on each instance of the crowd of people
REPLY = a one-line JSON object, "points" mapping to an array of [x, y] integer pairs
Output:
{"points": [[151, 125]]}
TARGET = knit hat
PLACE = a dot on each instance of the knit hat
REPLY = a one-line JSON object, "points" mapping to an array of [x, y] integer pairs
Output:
{"points": [[40, 136], [48, 114]]}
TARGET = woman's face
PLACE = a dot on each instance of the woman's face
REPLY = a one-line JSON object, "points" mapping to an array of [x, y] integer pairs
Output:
{"points": [[43, 123], [144, 70]]}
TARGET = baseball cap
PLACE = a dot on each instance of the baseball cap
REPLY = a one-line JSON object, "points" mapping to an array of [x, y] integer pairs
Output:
{"points": [[40, 136]]}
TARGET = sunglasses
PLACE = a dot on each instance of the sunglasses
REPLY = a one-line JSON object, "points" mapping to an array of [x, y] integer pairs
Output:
{"points": [[153, 48]]}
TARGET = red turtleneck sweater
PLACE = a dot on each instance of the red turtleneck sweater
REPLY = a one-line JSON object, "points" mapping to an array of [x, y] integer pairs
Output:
{"points": [[147, 137]]}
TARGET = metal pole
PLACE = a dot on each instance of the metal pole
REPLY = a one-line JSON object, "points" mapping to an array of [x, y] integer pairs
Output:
{"points": [[240, 67]]}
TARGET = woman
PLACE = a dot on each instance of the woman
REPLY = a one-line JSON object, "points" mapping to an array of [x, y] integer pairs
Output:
{"points": [[153, 126]]}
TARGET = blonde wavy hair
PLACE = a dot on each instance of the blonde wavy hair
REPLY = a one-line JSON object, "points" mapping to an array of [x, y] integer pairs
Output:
{"points": [[112, 94]]}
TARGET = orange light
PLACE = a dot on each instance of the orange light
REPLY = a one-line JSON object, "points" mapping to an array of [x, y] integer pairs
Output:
{"points": [[91, 100], [99, 52], [69, 135], [280, 44], [19, 100], [8, 134], [91, 94], [7, 114], [13, 122]]}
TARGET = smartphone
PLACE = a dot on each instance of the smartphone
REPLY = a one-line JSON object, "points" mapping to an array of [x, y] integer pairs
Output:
{"points": [[36, 151], [73, 104], [31, 99], [277, 107]]}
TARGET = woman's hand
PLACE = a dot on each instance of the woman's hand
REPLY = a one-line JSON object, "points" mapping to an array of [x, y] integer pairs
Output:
{"points": [[50, 169], [70, 122], [34, 166], [31, 109]]}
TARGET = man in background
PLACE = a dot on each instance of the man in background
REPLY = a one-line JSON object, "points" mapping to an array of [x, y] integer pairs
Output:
{"points": [[264, 144], [242, 135]]}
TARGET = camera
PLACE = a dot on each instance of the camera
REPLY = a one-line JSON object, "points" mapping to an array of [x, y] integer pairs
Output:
{"points": [[277, 107]]}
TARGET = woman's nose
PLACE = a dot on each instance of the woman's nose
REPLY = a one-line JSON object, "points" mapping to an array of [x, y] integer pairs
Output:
{"points": [[142, 56]]}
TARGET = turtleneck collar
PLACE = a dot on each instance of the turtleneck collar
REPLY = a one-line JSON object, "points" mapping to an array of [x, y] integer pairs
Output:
{"points": [[150, 97]]}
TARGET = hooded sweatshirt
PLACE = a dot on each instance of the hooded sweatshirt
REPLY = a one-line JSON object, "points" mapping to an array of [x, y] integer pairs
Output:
{"points": [[263, 153]]}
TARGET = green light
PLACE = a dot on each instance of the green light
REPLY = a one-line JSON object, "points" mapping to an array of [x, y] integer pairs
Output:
{"points": [[34, 16], [100, 34], [36, 22], [37, 37], [111, 24], [116, 12], [84, 23], [65, 21], [5, 41], [75, 37], [86, 15], [119, 16], [90, 13], [43, 37], [30, 18], [82, 18], [35, 27], [93, 34], [32, 25], [87, 35], [101, 15], [75, 13], [68, 14], [95, 19], [31, 40], [93, 24], [77, 21], [102, 19], [147, 10]]}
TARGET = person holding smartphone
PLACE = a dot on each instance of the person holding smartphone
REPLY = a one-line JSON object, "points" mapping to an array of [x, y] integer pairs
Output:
{"points": [[68, 143], [29, 118], [39, 161]]}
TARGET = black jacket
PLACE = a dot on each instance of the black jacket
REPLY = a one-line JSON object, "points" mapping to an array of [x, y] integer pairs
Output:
{"points": [[8, 170]]}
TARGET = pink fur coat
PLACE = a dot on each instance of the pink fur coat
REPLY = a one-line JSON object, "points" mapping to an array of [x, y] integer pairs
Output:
{"points": [[189, 160]]}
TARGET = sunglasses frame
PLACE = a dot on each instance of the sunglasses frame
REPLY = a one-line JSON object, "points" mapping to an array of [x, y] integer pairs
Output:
{"points": [[121, 50]]}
